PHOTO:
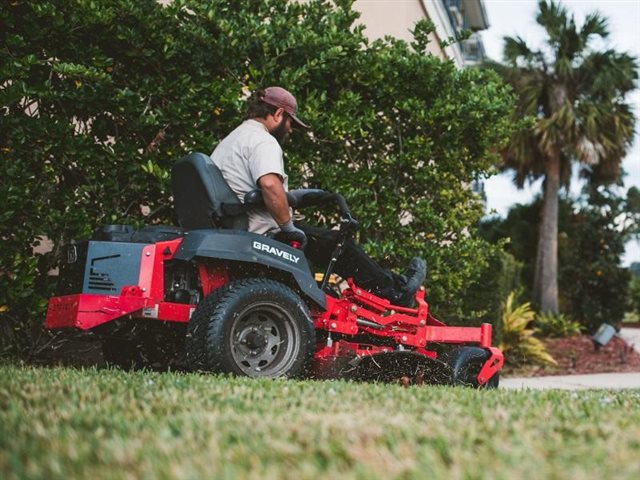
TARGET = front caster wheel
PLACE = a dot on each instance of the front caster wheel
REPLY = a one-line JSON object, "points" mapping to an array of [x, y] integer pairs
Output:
{"points": [[255, 328], [466, 363]]}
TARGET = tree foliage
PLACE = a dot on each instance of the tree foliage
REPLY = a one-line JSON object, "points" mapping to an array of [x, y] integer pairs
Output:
{"points": [[575, 97], [592, 233], [595, 285], [101, 97]]}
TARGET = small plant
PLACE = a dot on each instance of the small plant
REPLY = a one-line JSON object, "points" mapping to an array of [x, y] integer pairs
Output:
{"points": [[556, 326], [517, 340]]}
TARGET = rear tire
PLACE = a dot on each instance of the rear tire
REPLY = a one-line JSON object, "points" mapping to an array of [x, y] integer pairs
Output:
{"points": [[252, 327], [466, 363], [195, 340]]}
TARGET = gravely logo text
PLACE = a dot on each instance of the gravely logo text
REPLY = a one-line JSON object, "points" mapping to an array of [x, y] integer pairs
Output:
{"points": [[262, 247]]}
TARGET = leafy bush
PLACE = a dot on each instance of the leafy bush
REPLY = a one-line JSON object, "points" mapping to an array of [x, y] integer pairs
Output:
{"points": [[558, 326], [517, 340], [100, 98]]}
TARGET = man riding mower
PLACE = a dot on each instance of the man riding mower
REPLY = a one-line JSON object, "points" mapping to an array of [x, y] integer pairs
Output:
{"points": [[224, 300]]}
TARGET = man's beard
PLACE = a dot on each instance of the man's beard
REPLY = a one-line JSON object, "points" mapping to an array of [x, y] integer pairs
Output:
{"points": [[280, 132]]}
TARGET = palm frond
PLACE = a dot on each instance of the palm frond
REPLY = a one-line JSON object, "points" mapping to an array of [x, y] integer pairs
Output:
{"points": [[603, 137], [594, 24], [574, 97], [551, 132], [570, 45], [553, 17], [607, 75], [516, 49], [518, 342], [604, 173], [524, 157], [532, 94]]}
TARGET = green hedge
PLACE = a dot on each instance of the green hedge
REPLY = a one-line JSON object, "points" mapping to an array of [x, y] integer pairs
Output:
{"points": [[99, 98]]}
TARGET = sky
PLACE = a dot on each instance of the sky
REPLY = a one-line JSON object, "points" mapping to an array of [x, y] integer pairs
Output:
{"points": [[517, 18]]}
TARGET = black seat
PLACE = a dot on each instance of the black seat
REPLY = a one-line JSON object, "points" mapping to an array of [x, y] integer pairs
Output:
{"points": [[202, 197]]}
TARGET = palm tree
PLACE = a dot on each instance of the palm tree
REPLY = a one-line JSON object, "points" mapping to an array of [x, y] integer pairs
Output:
{"points": [[574, 98]]}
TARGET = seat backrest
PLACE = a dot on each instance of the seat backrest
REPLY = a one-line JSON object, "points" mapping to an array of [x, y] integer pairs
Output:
{"points": [[202, 197]]}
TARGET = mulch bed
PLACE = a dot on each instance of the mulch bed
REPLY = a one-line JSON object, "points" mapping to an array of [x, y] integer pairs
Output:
{"points": [[630, 325], [577, 355]]}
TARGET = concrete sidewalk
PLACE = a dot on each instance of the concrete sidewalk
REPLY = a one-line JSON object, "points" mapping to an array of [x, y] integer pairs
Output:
{"points": [[614, 381], [607, 381]]}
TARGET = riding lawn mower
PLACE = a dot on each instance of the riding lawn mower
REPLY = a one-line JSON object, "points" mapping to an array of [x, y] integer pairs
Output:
{"points": [[210, 296]]}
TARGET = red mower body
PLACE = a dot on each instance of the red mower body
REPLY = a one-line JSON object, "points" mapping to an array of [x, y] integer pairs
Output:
{"points": [[124, 280], [247, 304]]}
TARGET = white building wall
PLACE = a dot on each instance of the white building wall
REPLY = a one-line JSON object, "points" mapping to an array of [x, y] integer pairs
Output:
{"points": [[395, 18], [398, 17]]}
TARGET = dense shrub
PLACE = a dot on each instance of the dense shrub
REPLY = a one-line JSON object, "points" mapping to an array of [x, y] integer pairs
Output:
{"points": [[100, 98]]}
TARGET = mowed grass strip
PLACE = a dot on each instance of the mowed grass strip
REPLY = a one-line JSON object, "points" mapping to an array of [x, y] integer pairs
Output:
{"points": [[103, 424]]}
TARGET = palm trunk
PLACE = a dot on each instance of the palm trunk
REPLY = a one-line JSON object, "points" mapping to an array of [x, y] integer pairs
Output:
{"points": [[546, 273]]}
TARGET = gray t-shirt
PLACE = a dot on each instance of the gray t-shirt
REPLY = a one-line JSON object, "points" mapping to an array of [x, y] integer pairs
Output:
{"points": [[245, 155]]}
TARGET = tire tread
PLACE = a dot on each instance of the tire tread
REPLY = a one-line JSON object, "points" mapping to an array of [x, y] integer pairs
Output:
{"points": [[205, 350]]}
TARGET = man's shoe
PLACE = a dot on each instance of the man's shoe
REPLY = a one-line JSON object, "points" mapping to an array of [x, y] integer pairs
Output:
{"points": [[415, 274]]}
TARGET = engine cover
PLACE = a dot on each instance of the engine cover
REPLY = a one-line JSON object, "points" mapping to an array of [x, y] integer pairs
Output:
{"points": [[99, 267]]}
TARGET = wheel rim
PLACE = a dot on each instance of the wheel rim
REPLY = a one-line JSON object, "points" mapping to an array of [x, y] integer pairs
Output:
{"points": [[265, 340]]}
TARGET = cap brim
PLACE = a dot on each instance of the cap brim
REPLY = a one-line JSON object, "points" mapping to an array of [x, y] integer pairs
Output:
{"points": [[299, 122]]}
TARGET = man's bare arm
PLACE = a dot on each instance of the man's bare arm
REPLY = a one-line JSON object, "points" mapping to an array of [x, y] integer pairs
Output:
{"points": [[275, 198]]}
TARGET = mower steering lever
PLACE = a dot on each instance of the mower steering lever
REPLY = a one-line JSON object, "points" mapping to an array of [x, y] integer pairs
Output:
{"points": [[348, 224]]}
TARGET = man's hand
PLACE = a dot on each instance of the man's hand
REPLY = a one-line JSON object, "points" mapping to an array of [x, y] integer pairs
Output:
{"points": [[290, 233]]}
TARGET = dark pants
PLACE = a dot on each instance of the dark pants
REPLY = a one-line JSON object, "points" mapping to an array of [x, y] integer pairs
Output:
{"points": [[353, 262]]}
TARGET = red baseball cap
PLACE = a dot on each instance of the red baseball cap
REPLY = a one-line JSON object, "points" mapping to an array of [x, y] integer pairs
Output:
{"points": [[281, 98]]}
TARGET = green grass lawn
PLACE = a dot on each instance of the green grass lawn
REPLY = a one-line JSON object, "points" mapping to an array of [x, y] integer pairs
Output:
{"points": [[68, 423]]}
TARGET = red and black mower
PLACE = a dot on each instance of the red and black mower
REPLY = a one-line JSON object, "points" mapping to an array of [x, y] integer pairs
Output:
{"points": [[210, 296]]}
